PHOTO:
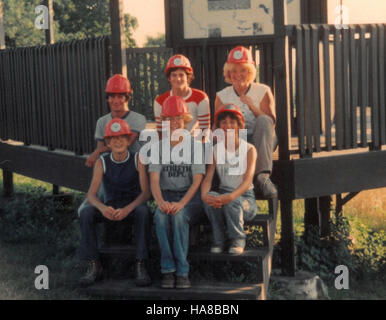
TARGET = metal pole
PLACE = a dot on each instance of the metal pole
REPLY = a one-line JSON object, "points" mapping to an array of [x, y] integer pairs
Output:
{"points": [[118, 48], [2, 32]]}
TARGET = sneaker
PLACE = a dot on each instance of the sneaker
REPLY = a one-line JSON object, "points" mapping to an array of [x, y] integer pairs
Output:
{"points": [[93, 273], [142, 278], [216, 249], [167, 280], [183, 282], [268, 188], [236, 250]]}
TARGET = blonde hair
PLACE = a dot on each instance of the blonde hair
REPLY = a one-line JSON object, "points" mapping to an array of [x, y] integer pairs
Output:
{"points": [[228, 67]]}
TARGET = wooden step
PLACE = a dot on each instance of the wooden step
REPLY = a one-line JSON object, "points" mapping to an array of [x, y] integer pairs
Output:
{"points": [[202, 291]]}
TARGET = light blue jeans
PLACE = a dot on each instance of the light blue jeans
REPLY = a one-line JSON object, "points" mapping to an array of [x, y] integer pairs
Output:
{"points": [[229, 220], [173, 232]]}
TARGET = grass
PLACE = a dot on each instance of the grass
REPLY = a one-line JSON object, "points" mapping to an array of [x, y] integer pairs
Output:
{"points": [[18, 259]]}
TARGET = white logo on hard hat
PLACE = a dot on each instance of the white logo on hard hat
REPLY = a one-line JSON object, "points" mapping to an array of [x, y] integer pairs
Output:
{"points": [[177, 62], [237, 55], [115, 127]]}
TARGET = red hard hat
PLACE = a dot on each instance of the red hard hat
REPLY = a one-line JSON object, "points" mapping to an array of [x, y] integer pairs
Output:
{"points": [[117, 127], [118, 84], [229, 108], [240, 54], [175, 106], [179, 61]]}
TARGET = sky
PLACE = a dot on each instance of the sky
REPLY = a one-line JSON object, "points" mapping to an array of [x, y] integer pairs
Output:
{"points": [[150, 16]]}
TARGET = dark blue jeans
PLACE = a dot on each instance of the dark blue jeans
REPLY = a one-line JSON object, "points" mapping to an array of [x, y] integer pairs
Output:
{"points": [[91, 216]]}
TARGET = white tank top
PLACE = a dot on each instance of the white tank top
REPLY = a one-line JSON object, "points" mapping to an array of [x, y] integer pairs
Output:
{"points": [[257, 92], [230, 167]]}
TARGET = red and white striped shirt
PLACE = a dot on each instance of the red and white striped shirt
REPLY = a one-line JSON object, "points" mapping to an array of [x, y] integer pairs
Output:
{"points": [[198, 105]]}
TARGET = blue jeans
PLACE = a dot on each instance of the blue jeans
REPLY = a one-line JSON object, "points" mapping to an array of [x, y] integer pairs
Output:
{"points": [[230, 218], [91, 216], [173, 232]]}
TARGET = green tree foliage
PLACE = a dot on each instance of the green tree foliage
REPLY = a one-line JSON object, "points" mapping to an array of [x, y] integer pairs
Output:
{"points": [[157, 41], [73, 19]]}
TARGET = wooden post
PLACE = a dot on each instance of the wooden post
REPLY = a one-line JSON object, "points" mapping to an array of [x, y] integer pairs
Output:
{"points": [[118, 48], [287, 241], [311, 216], [50, 31], [280, 59], [8, 183], [2, 32]]}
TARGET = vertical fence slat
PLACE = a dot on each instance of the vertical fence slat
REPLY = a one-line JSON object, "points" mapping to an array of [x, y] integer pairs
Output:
{"points": [[364, 86], [374, 83], [327, 86], [308, 89], [339, 124], [316, 88], [300, 89], [354, 85], [382, 91], [346, 89]]}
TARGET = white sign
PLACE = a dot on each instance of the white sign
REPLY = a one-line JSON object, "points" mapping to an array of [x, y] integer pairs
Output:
{"points": [[227, 18]]}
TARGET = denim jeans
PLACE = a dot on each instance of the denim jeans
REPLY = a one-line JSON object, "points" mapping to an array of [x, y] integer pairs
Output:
{"points": [[173, 232], [229, 219], [263, 137], [91, 216]]}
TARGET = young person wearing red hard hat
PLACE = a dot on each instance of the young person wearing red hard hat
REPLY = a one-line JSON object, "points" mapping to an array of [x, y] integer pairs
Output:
{"points": [[235, 200], [175, 185], [257, 105], [118, 90], [126, 192], [180, 74]]}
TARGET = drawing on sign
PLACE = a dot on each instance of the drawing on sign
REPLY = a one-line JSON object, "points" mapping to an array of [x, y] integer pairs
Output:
{"points": [[228, 4], [227, 18]]}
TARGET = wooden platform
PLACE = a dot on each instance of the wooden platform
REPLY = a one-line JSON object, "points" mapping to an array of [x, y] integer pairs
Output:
{"points": [[201, 291]]}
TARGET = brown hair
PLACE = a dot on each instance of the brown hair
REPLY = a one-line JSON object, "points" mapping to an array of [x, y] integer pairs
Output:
{"points": [[190, 75]]}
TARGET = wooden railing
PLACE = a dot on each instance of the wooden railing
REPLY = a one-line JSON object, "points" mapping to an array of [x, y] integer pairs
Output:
{"points": [[337, 87], [52, 95]]}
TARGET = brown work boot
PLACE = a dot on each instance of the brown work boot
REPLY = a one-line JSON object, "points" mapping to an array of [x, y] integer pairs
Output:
{"points": [[93, 273], [142, 278]]}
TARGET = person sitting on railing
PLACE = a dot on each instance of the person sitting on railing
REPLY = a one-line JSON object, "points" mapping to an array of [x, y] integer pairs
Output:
{"points": [[175, 186], [234, 160], [180, 74], [126, 191], [258, 108]]}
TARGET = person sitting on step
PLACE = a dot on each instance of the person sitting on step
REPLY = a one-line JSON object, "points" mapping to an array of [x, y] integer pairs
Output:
{"points": [[234, 160], [126, 191], [257, 105], [175, 184]]}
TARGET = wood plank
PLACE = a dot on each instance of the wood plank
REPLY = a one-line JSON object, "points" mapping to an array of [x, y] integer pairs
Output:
{"points": [[382, 93], [335, 174], [198, 291], [374, 84], [316, 88], [354, 85], [327, 86], [308, 106], [346, 89], [339, 124], [364, 85]]}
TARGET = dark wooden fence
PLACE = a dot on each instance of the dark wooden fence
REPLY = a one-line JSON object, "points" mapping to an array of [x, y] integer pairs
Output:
{"points": [[145, 69], [52, 95], [337, 87]]}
